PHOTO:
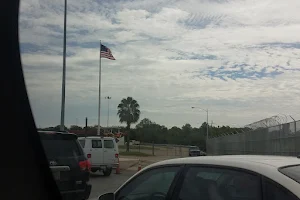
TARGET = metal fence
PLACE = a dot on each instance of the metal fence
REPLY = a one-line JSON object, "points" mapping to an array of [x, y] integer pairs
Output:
{"points": [[283, 139], [168, 150]]}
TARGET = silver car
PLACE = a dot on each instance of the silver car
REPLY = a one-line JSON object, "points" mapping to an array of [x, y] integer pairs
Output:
{"points": [[214, 178]]}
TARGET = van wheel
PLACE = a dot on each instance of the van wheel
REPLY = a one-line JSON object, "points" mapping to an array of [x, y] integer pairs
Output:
{"points": [[107, 172]]}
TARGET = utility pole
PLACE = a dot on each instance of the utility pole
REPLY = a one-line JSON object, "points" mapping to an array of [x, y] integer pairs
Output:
{"points": [[207, 126], [86, 123], [108, 98]]}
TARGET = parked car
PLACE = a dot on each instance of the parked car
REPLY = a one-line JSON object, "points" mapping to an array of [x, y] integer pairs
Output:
{"points": [[102, 152], [215, 177], [70, 167], [195, 151]]}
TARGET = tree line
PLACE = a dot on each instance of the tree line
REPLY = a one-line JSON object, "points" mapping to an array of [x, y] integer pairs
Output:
{"points": [[148, 131]]}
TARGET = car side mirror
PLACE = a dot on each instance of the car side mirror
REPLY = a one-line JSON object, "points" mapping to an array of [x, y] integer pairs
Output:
{"points": [[107, 196]]}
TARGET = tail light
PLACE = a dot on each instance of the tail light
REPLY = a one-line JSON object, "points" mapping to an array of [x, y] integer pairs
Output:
{"points": [[116, 155], [89, 155], [85, 165]]}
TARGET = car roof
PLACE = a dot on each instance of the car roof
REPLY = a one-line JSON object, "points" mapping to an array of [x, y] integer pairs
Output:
{"points": [[244, 161], [96, 137], [58, 132]]}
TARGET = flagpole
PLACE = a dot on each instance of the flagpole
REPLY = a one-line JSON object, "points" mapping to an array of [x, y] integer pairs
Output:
{"points": [[99, 105], [63, 87]]}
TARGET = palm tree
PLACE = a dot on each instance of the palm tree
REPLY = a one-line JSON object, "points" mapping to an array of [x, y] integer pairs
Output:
{"points": [[129, 113]]}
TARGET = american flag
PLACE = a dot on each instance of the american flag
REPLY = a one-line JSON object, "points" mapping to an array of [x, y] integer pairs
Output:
{"points": [[106, 53]]}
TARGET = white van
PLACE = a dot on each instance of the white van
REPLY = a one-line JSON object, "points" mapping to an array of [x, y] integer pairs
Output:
{"points": [[102, 152]]}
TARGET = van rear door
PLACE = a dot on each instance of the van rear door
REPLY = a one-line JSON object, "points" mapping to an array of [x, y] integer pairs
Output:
{"points": [[96, 152], [110, 151]]}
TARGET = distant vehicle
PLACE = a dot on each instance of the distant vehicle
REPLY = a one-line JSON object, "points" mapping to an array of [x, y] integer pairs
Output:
{"points": [[215, 178], [134, 142], [102, 152], [195, 151], [69, 166]]}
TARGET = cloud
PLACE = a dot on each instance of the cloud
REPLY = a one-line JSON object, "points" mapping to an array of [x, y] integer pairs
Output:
{"points": [[238, 58]]}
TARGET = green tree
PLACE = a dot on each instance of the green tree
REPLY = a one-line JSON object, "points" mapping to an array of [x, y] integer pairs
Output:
{"points": [[75, 127], [187, 129], [55, 128], [129, 113], [144, 122]]}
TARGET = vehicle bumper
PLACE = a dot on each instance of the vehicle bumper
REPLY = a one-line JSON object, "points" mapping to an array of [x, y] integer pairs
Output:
{"points": [[77, 194], [101, 167], [194, 154], [87, 191]]}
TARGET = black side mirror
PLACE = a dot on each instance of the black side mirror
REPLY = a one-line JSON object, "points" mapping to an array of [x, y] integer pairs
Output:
{"points": [[107, 196]]}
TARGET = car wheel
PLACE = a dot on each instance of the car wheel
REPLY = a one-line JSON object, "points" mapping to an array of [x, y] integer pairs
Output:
{"points": [[107, 172], [93, 170]]}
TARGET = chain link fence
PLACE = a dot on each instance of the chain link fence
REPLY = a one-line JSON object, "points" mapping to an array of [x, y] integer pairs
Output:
{"points": [[168, 150], [283, 139]]}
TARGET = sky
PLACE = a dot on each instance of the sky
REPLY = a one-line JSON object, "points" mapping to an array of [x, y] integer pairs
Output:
{"points": [[237, 58]]}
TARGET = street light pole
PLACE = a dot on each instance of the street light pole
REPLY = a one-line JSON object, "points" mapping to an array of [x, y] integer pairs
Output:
{"points": [[206, 124], [63, 95], [206, 110]]}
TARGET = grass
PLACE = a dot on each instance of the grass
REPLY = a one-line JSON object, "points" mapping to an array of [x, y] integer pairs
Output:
{"points": [[133, 153], [135, 147]]}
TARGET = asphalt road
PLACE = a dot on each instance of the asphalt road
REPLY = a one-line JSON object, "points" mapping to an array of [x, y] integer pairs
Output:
{"points": [[102, 184]]}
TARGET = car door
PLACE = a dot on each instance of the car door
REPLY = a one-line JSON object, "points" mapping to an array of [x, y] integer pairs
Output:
{"points": [[109, 151], [217, 183], [96, 152], [156, 183]]}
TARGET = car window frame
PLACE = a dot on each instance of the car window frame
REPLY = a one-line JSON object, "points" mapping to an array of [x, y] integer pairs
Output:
{"points": [[171, 191], [114, 146], [287, 166], [97, 147], [79, 140], [178, 187], [79, 147], [281, 187]]}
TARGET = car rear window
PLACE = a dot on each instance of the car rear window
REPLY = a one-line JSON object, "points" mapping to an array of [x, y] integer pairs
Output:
{"points": [[292, 171], [109, 144], [96, 143], [59, 146]]}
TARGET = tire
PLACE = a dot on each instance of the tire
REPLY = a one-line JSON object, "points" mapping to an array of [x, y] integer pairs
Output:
{"points": [[93, 170], [107, 172]]}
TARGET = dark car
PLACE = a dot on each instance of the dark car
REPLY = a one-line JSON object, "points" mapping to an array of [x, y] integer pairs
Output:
{"points": [[195, 151], [70, 167]]}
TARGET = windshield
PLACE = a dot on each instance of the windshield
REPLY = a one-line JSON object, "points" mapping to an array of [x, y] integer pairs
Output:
{"points": [[142, 81]]}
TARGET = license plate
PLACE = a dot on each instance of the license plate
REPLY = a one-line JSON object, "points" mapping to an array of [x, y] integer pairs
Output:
{"points": [[56, 175]]}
